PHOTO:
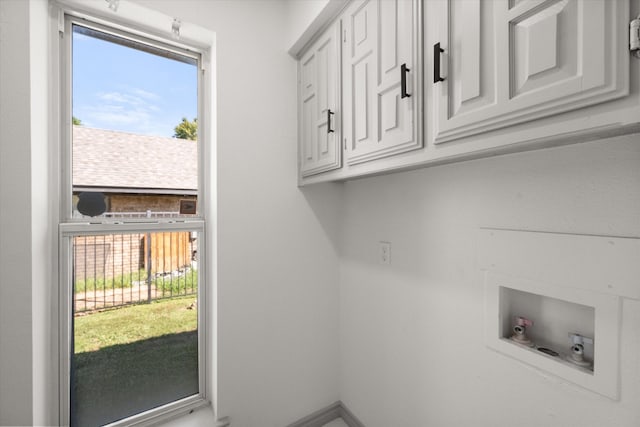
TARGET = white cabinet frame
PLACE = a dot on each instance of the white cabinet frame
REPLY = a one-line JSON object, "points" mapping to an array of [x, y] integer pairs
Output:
{"points": [[507, 62], [382, 78], [319, 105]]}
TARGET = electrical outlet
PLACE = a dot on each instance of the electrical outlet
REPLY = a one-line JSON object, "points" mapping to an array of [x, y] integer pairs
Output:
{"points": [[384, 253]]}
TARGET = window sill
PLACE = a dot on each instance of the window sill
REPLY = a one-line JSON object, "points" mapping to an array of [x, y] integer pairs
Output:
{"points": [[203, 416]]}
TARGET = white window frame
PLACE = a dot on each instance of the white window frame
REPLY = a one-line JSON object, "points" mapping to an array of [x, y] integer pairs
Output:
{"points": [[137, 23]]}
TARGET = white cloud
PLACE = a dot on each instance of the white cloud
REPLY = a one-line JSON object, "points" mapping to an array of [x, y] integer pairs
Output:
{"points": [[132, 110], [111, 115], [144, 94], [127, 98]]}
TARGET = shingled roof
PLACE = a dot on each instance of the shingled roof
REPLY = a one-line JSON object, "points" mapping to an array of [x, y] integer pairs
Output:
{"points": [[110, 161]]}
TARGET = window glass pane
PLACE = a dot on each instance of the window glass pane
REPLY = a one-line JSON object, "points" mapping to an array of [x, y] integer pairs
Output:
{"points": [[135, 323], [134, 153], [134, 149]]}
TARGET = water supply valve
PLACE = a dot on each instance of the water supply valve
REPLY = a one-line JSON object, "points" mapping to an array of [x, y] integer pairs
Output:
{"points": [[577, 349], [520, 331]]}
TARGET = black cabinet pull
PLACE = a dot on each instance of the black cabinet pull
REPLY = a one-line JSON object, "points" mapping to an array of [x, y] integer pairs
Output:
{"points": [[329, 113], [437, 50], [403, 81]]}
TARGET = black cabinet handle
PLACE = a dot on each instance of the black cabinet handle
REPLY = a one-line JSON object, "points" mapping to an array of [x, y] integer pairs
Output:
{"points": [[329, 113], [437, 50], [403, 81]]}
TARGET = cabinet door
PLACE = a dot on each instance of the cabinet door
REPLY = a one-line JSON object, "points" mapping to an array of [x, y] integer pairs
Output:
{"points": [[320, 116], [510, 61], [379, 55]]}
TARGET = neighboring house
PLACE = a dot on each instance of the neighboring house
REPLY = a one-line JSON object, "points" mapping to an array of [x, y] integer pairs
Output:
{"points": [[136, 173]]}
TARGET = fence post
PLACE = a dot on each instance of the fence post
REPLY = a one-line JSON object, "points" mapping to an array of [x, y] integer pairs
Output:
{"points": [[148, 267]]}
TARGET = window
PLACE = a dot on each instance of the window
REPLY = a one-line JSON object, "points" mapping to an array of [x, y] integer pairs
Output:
{"points": [[133, 242]]}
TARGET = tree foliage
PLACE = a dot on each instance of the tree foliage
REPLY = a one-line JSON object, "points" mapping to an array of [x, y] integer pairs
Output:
{"points": [[186, 129], [76, 121]]}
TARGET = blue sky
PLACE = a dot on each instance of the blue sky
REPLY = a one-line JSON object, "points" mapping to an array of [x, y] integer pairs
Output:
{"points": [[120, 88]]}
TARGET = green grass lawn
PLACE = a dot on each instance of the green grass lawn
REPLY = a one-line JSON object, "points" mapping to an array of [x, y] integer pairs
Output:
{"points": [[132, 359], [183, 284]]}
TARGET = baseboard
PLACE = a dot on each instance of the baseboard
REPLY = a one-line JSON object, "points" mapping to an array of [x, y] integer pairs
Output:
{"points": [[319, 418], [328, 414], [348, 417]]}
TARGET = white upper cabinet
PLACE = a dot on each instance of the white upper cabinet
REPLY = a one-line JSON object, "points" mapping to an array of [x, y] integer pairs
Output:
{"points": [[319, 115], [499, 76], [380, 70], [506, 62]]}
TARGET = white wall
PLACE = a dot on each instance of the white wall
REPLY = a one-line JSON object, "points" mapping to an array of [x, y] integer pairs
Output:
{"points": [[402, 361], [300, 15], [278, 268], [306, 18], [24, 224], [278, 274], [15, 212], [412, 352]]}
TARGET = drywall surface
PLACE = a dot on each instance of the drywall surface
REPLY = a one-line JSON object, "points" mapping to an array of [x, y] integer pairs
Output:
{"points": [[16, 350], [412, 346], [25, 238], [300, 15], [277, 266]]}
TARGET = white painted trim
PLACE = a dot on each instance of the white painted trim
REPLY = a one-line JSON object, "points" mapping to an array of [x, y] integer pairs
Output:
{"points": [[140, 21], [321, 22], [320, 417], [122, 190], [489, 147], [608, 265], [348, 417], [163, 413], [326, 415]]}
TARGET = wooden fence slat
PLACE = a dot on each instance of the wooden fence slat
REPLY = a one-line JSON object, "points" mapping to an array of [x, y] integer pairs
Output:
{"points": [[169, 254]]}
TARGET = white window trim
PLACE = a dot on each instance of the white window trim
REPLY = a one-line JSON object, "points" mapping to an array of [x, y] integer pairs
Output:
{"points": [[137, 20]]}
